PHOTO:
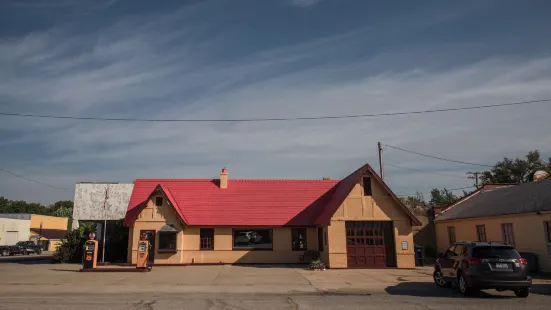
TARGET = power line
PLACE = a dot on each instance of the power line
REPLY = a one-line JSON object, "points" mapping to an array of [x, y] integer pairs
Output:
{"points": [[271, 119], [428, 172], [436, 157], [451, 189], [32, 180]]}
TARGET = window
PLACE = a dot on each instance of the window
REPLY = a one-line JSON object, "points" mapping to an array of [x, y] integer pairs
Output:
{"points": [[450, 252], [458, 251], [158, 201], [253, 239], [206, 238], [451, 234], [298, 239], [167, 241], [367, 186], [495, 252], [481, 233], [507, 233], [547, 228]]}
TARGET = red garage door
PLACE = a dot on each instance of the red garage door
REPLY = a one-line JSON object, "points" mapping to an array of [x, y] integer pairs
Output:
{"points": [[365, 244]]}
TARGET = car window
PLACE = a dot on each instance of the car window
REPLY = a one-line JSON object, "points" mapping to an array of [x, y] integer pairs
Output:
{"points": [[495, 252], [449, 252], [458, 250]]}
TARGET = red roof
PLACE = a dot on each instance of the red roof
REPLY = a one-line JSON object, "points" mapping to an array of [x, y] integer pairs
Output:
{"points": [[248, 202]]}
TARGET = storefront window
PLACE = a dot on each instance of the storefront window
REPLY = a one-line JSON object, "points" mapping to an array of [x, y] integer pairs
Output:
{"points": [[298, 239], [260, 239], [167, 241]]}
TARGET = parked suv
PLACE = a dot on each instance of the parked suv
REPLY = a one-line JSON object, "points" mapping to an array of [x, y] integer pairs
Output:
{"points": [[483, 265]]}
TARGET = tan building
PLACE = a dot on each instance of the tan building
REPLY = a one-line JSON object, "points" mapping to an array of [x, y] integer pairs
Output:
{"points": [[354, 222], [52, 230], [515, 214]]}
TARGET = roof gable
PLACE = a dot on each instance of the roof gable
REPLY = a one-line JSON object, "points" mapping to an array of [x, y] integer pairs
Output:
{"points": [[345, 187]]}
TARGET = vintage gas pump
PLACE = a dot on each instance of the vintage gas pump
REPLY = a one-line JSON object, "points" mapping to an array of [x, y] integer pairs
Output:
{"points": [[143, 253], [90, 252]]}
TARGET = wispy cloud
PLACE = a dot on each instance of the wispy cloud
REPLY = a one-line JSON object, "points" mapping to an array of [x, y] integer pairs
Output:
{"points": [[304, 3], [174, 65]]}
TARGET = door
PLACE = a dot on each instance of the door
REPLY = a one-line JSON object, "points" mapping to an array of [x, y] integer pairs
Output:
{"points": [[12, 237], [458, 253], [150, 236], [320, 239], [365, 244]]}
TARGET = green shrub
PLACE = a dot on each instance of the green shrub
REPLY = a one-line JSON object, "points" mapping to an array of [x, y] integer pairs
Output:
{"points": [[70, 250]]}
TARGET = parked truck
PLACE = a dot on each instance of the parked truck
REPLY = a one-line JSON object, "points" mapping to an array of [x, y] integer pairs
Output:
{"points": [[21, 247]]}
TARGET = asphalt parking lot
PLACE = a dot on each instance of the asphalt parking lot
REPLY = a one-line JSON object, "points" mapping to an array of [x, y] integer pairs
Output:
{"points": [[32, 284]]}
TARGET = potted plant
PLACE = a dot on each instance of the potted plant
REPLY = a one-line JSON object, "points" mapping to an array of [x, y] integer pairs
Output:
{"points": [[317, 264]]}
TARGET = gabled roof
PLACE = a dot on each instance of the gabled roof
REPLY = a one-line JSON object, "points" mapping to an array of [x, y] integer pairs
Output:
{"points": [[252, 202], [346, 186], [497, 201]]}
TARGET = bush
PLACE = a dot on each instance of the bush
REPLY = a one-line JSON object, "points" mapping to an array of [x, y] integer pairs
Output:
{"points": [[70, 250], [317, 264]]}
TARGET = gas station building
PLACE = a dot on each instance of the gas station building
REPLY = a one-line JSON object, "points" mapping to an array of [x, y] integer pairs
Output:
{"points": [[356, 222]]}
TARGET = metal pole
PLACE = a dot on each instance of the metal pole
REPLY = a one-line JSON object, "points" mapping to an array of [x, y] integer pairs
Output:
{"points": [[381, 160], [104, 223]]}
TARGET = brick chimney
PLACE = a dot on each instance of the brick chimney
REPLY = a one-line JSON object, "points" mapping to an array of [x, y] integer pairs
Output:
{"points": [[224, 178]]}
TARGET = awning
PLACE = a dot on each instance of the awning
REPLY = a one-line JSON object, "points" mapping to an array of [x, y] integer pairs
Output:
{"points": [[168, 228]]}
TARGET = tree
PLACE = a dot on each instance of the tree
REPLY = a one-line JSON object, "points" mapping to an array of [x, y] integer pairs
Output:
{"points": [[441, 197], [70, 250], [514, 170], [418, 199]]}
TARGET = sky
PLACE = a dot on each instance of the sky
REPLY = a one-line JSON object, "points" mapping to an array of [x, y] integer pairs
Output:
{"points": [[267, 59]]}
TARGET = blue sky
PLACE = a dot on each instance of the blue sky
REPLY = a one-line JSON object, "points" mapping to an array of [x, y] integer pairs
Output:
{"points": [[246, 59]]}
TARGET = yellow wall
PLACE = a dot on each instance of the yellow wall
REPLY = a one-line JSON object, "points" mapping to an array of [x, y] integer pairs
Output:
{"points": [[48, 222], [378, 207], [188, 252], [528, 230]]}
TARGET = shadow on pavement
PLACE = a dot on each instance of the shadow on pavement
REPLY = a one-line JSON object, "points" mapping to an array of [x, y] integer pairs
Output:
{"points": [[428, 289], [65, 270], [27, 260], [541, 289]]}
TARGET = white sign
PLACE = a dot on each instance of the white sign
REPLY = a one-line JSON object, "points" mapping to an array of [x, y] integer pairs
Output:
{"points": [[404, 245]]}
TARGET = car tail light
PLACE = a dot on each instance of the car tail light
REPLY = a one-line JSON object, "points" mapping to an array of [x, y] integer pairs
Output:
{"points": [[521, 261], [475, 261]]}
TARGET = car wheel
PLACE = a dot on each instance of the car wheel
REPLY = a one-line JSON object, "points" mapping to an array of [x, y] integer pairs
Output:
{"points": [[439, 279], [463, 287], [5, 253], [522, 293]]}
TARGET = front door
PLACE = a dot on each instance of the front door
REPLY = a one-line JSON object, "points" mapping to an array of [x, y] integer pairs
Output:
{"points": [[150, 236], [365, 244], [446, 263]]}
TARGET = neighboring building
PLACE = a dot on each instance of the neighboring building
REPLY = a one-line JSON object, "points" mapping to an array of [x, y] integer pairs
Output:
{"points": [[52, 230], [516, 214], [103, 203], [14, 230], [355, 222]]}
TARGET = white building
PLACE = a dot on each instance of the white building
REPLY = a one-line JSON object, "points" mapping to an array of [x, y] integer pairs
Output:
{"points": [[14, 230]]}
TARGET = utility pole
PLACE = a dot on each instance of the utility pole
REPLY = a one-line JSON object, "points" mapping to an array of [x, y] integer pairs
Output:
{"points": [[474, 175], [381, 160]]}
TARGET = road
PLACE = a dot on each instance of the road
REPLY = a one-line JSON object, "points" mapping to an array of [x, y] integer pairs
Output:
{"points": [[160, 300], [36, 284]]}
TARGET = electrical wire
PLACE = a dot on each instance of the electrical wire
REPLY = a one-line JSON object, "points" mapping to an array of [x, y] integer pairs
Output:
{"points": [[436, 157], [34, 181], [428, 172], [451, 189], [271, 119]]}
